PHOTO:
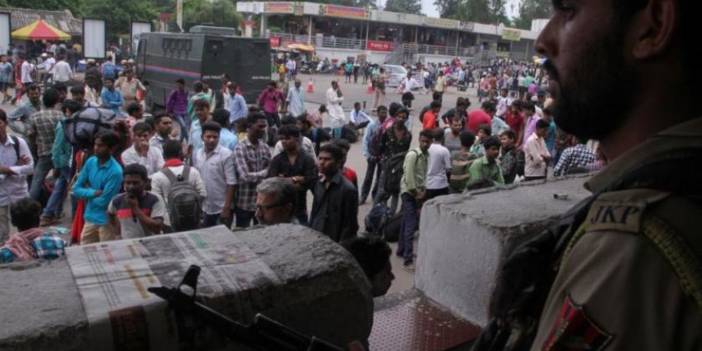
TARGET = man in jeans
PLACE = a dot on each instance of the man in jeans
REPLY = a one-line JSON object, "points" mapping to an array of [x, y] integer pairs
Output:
{"points": [[41, 131], [371, 151], [13, 173], [413, 192], [99, 181], [61, 152], [252, 157]]}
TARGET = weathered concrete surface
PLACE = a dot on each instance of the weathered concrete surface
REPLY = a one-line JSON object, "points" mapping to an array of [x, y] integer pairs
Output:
{"points": [[465, 238], [323, 292]]}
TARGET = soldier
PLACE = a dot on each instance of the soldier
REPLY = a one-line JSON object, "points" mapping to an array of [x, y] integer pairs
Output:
{"points": [[621, 271]]}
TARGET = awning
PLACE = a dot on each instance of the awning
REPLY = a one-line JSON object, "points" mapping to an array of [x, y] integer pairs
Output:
{"points": [[40, 30], [301, 47]]}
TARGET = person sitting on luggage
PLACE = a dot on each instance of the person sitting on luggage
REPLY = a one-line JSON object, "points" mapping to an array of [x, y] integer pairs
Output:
{"points": [[359, 118], [373, 255]]}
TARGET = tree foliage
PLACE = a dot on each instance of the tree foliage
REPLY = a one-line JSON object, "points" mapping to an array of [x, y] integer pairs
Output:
{"points": [[532, 9], [447, 8], [404, 6], [120, 13], [216, 13], [482, 11], [75, 6]]}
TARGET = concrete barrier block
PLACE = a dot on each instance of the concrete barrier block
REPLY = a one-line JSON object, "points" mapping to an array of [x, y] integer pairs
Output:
{"points": [[321, 291], [464, 239]]}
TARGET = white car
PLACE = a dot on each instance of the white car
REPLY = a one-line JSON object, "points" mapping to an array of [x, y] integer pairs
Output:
{"points": [[395, 73]]}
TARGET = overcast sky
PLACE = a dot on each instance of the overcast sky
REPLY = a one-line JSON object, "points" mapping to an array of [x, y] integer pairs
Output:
{"points": [[429, 9]]}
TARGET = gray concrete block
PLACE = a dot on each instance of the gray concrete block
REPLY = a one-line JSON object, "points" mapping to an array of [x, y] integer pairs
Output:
{"points": [[464, 239], [322, 292]]}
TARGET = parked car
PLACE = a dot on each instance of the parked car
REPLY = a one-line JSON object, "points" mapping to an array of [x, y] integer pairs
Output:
{"points": [[395, 75]]}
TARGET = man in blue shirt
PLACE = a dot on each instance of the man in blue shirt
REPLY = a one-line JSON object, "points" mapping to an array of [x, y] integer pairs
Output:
{"points": [[227, 139], [111, 98], [99, 181], [237, 105]]}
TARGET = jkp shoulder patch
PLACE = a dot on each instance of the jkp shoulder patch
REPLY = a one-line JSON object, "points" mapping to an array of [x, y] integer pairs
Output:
{"points": [[574, 330], [621, 211]]}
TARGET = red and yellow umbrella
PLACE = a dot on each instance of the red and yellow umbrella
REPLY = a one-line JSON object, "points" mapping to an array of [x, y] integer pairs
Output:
{"points": [[40, 30]]}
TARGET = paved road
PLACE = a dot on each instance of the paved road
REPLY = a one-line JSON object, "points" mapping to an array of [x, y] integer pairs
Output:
{"points": [[358, 93], [353, 93]]}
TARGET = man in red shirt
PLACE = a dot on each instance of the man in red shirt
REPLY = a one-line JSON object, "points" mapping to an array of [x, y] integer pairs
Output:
{"points": [[430, 120], [515, 120], [480, 116]]}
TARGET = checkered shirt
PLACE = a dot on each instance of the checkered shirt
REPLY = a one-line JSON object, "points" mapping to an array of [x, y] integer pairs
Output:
{"points": [[574, 157], [251, 162], [42, 126], [49, 246]]}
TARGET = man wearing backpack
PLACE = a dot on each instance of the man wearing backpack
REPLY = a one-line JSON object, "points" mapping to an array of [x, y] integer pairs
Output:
{"points": [[413, 192], [371, 151], [217, 166], [15, 164], [175, 182]]}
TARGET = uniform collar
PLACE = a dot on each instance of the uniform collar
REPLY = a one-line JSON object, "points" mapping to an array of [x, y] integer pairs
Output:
{"points": [[686, 135]]}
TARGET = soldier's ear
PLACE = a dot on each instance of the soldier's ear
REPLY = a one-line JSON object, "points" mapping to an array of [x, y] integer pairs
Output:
{"points": [[652, 29]]}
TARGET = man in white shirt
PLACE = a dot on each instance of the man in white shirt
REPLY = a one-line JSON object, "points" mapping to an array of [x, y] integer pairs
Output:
{"points": [[27, 69], [536, 155], [15, 164], [337, 119], [216, 164], [140, 152], [438, 166], [359, 118], [48, 65], [296, 99], [62, 71], [291, 67]]}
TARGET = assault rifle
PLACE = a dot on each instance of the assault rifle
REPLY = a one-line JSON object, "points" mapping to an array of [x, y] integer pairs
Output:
{"points": [[263, 334]]}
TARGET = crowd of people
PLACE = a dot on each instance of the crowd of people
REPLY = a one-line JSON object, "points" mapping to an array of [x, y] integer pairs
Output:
{"points": [[212, 158]]}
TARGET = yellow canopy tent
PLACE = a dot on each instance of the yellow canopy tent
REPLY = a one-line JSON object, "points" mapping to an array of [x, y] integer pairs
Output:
{"points": [[40, 30]]}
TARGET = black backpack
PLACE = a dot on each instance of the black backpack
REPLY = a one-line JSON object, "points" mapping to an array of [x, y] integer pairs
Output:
{"points": [[377, 218], [393, 172], [81, 129], [184, 202]]}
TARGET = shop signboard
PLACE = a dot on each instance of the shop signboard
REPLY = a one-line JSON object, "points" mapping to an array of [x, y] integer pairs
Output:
{"points": [[378, 45], [511, 34], [441, 23], [344, 11], [279, 7]]}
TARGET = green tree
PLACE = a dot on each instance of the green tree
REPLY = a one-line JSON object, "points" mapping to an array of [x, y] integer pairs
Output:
{"points": [[404, 6], [447, 8], [220, 13], [120, 13], [482, 11], [75, 6], [532, 9]]}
